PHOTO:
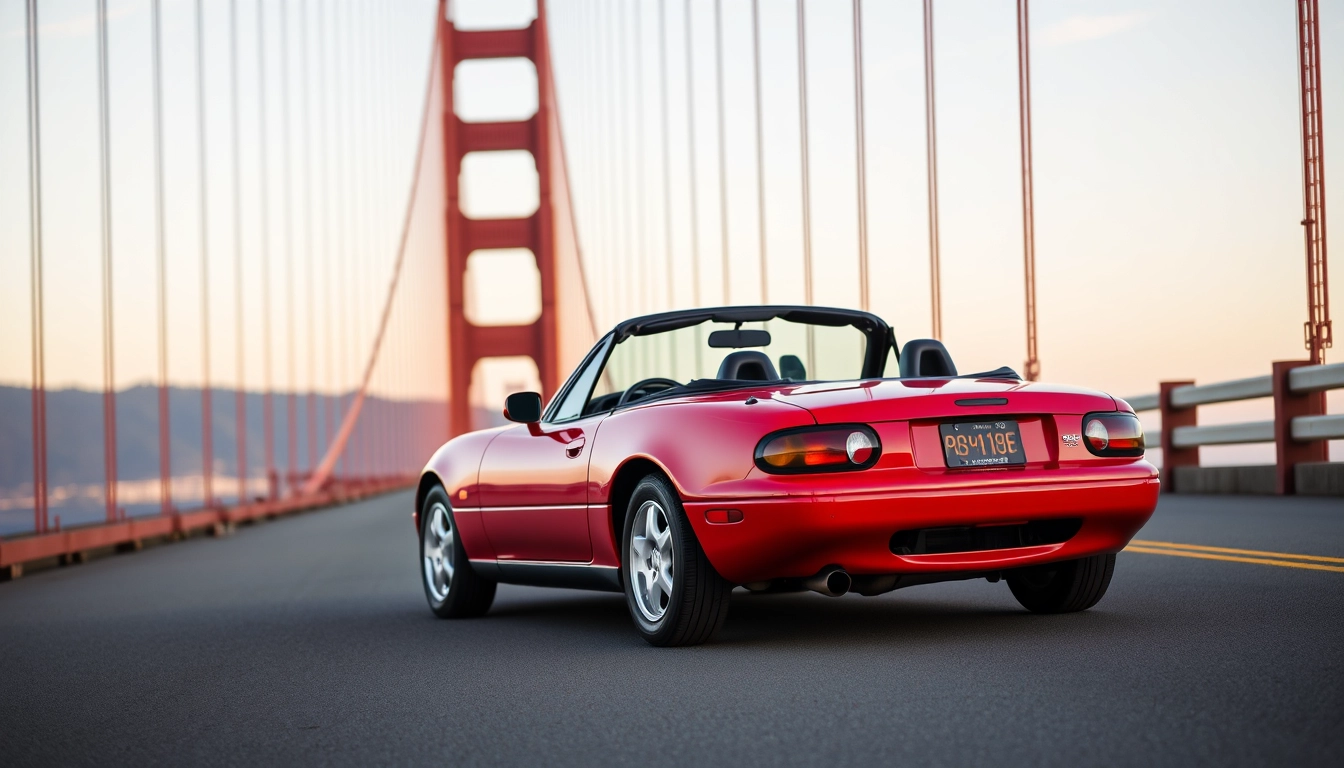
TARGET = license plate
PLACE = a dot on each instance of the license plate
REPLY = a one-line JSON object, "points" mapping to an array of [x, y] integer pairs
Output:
{"points": [[982, 444]]}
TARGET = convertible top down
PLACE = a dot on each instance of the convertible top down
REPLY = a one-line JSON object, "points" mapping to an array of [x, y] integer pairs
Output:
{"points": [[782, 448]]}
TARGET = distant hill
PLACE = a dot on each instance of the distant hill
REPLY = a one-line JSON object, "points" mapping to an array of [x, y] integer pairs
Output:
{"points": [[75, 431]]}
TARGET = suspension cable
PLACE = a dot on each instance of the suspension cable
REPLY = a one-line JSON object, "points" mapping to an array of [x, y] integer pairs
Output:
{"points": [[806, 165], [240, 395], [645, 271], [622, 116], [861, 158], [760, 146], [691, 166], [806, 181], [326, 120], [105, 210], [207, 408], [667, 155], [310, 418], [931, 150], [1033, 365], [161, 268], [723, 159], [291, 418], [39, 391], [268, 398], [343, 224]]}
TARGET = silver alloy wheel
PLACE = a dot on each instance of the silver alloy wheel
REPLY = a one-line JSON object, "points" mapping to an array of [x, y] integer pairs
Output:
{"points": [[438, 553], [651, 560]]}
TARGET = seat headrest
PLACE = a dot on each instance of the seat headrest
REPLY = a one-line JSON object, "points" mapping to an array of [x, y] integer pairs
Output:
{"points": [[925, 357], [791, 367], [747, 365]]}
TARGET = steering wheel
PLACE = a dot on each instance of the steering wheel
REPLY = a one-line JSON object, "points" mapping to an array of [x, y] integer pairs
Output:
{"points": [[629, 395]]}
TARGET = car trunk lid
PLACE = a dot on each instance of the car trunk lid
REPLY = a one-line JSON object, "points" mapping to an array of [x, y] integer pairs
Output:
{"points": [[874, 401]]}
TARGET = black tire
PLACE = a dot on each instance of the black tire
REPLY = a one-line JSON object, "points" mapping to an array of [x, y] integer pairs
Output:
{"points": [[1073, 585], [697, 603], [467, 593]]}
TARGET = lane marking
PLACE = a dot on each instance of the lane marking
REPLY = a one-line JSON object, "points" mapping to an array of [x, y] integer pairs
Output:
{"points": [[1236, 559], [1230, 551]]}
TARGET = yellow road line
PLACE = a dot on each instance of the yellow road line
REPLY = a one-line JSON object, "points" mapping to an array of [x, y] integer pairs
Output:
{"points": [[1235, 559], [1229, 551]]}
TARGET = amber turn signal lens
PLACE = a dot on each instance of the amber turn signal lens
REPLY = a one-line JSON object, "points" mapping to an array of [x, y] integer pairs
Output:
{"points": [[818, 449], [1113, 434]]}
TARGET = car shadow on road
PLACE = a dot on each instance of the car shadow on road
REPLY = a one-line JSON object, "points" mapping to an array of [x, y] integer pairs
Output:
{"points": [[802, 620]]}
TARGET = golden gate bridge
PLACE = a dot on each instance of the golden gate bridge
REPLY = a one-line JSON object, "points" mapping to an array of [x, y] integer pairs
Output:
{"points": [[334, 306]]}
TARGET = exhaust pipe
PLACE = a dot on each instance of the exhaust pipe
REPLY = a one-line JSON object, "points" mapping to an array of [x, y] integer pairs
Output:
{"points": [[832, 581]]}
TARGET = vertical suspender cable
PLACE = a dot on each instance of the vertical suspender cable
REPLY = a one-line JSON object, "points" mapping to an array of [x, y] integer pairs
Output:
{"points": [[336, 186], [310, 398], [760, 146], [1033, 366], [350, 271], [240, 395], [931, 150], [691, 169], [357, 185], [664, 117], [1317, 329], [291, 418], [105, 198], [268, 398], [803, 154], [328, 353], [861, 158], [806, 179], [609, 254], [375, 423], [622, 118], [161, 269], [35, 275], [615, 264], [365, 188], [667, 154], [645, 273], [723, 158], [207, 408]]}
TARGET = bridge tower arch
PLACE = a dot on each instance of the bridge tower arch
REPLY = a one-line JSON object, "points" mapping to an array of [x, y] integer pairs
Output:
{"points": [[469, 343]]}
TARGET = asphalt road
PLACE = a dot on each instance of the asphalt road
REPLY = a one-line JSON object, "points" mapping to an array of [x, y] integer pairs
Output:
{"points": [[307, 641]]}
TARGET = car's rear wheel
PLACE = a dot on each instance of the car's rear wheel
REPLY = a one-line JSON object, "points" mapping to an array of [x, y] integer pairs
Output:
{"points": [[675, 596], [453, 589], [1073, 585]]}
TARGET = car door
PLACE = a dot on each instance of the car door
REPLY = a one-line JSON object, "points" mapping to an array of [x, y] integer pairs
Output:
{"points": [[534, 479]]}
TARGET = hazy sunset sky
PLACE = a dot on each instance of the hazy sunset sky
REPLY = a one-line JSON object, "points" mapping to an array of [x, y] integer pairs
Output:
{"points": [[1167, 172]]}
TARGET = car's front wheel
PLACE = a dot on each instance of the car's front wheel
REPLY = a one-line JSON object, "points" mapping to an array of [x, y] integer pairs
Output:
{"points": [[675, 596], [1073, 585], [453, 589]]}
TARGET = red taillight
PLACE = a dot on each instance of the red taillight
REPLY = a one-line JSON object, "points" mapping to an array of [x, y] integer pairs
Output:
{"points": [[818, 449], [1113, 434]]}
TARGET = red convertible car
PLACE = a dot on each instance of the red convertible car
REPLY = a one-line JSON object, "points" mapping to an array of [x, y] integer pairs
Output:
{"points": [[782, 448]]}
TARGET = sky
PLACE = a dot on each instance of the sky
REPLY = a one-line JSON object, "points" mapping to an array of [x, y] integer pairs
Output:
{"points": [[1166, 146]]}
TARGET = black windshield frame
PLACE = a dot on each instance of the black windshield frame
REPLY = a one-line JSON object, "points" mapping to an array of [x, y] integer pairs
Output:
{"points": [[880, 337]]}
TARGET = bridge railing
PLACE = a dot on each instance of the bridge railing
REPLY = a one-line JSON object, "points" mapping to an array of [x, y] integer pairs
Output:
{"points": [[1300, 430]]}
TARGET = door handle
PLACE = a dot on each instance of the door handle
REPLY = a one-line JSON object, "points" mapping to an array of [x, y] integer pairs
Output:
{"points": [[574, 447]]}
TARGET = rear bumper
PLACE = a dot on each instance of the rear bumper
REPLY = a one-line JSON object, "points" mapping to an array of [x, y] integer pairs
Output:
{"points": [[796, 536]]}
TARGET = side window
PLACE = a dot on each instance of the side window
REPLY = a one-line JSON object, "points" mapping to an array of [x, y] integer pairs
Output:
{"points": [[571, 407], [892, 368]]}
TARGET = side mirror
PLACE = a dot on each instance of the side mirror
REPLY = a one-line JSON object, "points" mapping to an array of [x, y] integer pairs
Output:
{"points": [[523, 407]]}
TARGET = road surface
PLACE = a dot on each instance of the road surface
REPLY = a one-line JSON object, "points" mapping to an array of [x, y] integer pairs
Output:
{"points": [[307, 641]]}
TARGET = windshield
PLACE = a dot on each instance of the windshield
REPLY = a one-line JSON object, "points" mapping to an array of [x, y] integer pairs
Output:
{"points": [[787, 351]]}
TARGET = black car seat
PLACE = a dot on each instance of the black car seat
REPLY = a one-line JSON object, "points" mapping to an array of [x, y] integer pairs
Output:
{"points": [[924, 358], [791, 368], [747, 365]]}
